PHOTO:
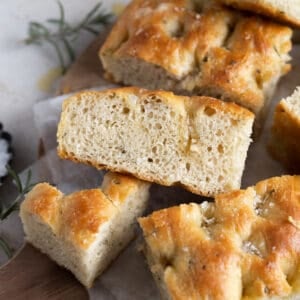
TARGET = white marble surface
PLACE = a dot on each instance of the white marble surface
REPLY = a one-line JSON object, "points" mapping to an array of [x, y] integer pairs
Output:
{"points": [[22, 66]]}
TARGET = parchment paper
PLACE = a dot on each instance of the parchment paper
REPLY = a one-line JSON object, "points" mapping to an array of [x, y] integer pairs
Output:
{"points": [[128, 277]]}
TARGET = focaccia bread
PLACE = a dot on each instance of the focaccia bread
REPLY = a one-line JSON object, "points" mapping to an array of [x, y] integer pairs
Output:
{"points": [[200, 48], [285, 138], [287, 11], [86, 230], [246, 245], [200, 143]]}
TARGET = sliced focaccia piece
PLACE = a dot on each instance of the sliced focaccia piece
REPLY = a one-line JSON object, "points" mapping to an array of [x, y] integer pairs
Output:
{"points": [[200, 143], [285, 139], [246, 245], [287, 11], [199, 48], [86, 230]]}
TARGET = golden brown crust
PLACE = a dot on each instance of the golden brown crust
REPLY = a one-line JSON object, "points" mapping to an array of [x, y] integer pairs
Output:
{"points": [[245, 246], [180, 103], [285, 142], [117, 187], [200, 102], [268, 8], [207, 50], [77, 217], [44, 201], [82, 214]]}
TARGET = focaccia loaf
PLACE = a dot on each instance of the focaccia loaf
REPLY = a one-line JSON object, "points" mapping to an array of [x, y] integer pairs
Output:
{"points": [[86, 230], [200, 143], [285, 138], [287, 11], [198, 48], [246, 245]]}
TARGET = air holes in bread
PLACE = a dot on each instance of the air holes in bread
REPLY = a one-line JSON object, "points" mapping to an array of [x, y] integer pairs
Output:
{"points": [[209, 111], [174, 29], [221, 149], [229, 34], [126, 110], [198, 6], [234, 122], [166, 262], [259, 79]]}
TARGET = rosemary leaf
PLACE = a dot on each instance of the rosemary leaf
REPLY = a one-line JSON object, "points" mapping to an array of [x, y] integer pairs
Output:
{"points": [[62, 15], [15, 204], [90, 14], [91, 30], [59, 54], [61, 35], [69, 49], [28, 179], [15, 177], [7, 250]]}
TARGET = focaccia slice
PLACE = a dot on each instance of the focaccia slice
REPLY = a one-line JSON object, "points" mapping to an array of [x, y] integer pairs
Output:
{"points": [[198, 48], [86, 230], [246, 245]]}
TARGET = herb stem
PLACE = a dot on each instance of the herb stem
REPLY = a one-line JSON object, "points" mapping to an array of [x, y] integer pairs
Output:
{"points": [[59, 54], [14, 205], [7, 250], [60, 34]]}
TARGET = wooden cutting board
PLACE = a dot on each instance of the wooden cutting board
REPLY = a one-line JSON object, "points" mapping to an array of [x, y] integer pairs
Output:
{"points": [[30, 274]]}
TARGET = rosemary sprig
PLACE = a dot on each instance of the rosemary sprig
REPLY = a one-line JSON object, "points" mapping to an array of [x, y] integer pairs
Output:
{"points": [[5, 211], [6, 248], [65, 34], [22, 191]]}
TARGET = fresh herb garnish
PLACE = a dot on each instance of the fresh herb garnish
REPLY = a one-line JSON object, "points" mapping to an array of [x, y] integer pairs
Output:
{"points": [[6, 248], [5, 211], [61, 35]]}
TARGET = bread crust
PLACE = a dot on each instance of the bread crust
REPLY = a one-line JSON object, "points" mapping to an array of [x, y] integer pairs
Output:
{"points": [[243, 246], [183, 104], [280, 10], [44, 201], [285, 140], [179, 102], [86, 230], [77, 217], [206, 50]]}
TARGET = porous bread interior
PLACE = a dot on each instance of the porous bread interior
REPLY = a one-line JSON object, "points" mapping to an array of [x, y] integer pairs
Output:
{"points": [[256, 224], [204, 68], [203, 149], [293, 103], [136, 72], [112, 237]]}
